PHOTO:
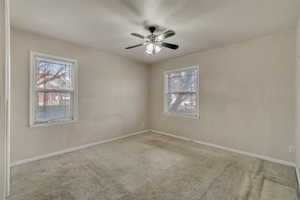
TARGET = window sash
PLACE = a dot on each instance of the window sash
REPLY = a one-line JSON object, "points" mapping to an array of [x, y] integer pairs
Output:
{"points": [[54, 60], [185, 96], [57, 119], [192, 88]]}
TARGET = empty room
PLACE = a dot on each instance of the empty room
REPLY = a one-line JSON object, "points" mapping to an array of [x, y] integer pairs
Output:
{"points": [[149, 99]]}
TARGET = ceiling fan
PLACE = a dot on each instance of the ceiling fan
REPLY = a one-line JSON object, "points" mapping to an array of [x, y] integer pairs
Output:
{"points": [[155, 42]]}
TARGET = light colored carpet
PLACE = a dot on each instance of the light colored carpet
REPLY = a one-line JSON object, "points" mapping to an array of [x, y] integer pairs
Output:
{"points": [[152, 167]]}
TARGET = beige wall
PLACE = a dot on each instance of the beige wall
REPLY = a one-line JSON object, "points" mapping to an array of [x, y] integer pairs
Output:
{"points": [[246, 96], [112, 97]]}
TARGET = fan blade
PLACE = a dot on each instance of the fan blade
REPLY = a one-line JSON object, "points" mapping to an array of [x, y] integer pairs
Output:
{"points": [[166, 34], [169, 45], [138, 45], [138, 35]]}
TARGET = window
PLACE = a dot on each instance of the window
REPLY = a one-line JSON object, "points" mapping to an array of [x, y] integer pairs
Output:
{"points": [[181, 92], [53, 90]]}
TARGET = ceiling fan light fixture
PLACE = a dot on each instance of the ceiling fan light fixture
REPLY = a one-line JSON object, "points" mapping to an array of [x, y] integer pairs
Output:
{"points": [[154, 42], [152, 49]]}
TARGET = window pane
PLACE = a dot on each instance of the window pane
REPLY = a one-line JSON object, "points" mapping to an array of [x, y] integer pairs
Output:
{"points": [[182, 103], [182, 81], [53, 106], [53, 75]]}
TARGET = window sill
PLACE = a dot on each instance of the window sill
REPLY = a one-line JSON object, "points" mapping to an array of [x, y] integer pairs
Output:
{"points": [[195, 117], [46, 124]]}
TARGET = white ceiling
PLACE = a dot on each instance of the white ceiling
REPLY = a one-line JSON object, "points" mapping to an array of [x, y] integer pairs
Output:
{"points": [[199, 24]]}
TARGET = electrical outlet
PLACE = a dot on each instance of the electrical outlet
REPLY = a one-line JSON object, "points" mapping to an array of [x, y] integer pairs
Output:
{"points": [[292, 149]]}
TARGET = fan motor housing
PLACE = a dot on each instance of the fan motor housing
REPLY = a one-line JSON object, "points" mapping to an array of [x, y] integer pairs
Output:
{"points": [[152, 29]]}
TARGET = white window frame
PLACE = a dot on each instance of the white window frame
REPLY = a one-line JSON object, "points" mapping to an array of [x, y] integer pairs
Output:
{"points": [[33, 89], [165, 100]]}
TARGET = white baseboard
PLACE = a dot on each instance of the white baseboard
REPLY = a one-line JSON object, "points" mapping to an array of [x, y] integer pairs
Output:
{"points": [[283, 162], [74, 149]]}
